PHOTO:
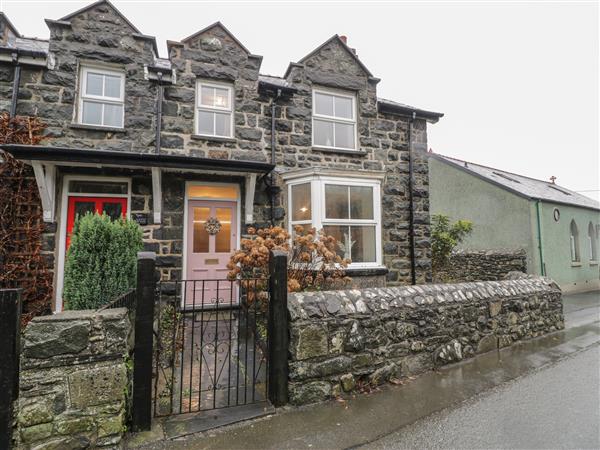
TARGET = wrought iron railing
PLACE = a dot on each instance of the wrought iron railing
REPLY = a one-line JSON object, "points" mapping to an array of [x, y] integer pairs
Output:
{"points": [[125, 300]]}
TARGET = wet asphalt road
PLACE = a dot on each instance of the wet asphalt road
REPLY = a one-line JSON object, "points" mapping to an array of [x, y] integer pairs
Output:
{"points": [[555, 407]]}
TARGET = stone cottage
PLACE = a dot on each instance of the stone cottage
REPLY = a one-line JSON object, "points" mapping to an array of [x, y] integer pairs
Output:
{"points": [[203, 137]]}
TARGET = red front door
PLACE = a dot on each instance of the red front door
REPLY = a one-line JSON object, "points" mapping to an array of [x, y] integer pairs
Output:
{"points": [[114, 207]]}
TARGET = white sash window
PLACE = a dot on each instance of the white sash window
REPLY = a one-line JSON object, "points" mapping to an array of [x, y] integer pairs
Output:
{"points": [[101, 97], [214, 109], [334, 120]]}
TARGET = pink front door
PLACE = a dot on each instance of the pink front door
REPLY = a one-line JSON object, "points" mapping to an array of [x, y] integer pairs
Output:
{"points": [[211, 240]]}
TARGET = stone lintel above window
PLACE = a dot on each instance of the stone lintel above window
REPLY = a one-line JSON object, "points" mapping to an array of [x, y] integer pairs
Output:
{"points": [[201, 137]]}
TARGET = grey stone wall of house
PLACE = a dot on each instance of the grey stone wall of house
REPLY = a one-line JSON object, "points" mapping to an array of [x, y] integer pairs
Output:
{"points": [[383, 137], [96, 36], [74, 380], [482, 265], [100, 35], [343, 339]]}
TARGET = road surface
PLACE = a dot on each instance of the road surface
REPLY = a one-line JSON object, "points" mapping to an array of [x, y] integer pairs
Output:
{"points": [[554, 407]]}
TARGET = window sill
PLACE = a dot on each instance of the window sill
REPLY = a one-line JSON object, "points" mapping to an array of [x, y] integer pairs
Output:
{"points": [[339, 150], [366, 271], [81, 126], [575, 264], [201, 137], [593, 263]]}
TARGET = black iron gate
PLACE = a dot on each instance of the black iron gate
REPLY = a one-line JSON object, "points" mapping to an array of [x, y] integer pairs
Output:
{"points": [[210, 345]]}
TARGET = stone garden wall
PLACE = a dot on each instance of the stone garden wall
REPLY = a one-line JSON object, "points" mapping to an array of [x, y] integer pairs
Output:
{"points": [[74, 380], [482, 265], [342, 340]]}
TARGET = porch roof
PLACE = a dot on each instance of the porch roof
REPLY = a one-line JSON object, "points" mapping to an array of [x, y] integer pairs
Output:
{"points": [[131, 159]]}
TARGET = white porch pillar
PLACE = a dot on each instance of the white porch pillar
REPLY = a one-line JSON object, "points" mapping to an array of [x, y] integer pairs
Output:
{"points": [[45, 177], [157, 194], [249, 203]]}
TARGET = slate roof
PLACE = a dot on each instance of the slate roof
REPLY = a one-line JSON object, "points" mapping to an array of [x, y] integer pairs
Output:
{"points": [[27, 46], [275, 81], [530, 188], [394, 106]]}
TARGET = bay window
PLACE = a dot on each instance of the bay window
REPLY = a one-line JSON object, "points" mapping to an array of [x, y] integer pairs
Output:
{"points": [[334, 120], [345, 208], [214, 109]]}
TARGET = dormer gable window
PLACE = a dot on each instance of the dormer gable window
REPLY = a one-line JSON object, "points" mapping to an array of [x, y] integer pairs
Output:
{"points": [[334, 120], [214, 109], [101, 97]]}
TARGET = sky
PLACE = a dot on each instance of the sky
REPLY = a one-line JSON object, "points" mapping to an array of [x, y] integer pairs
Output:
{"points": [[518, 82]]}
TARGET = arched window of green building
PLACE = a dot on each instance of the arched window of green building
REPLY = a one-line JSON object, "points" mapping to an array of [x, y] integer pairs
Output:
{"points": [[593, 241], [574, 242]]}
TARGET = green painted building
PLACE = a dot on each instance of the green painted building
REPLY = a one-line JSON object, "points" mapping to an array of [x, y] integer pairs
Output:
{"points": [[558, 228]]}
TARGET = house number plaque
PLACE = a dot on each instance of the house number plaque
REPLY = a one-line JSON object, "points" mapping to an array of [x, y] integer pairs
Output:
{"points": [[140, 219]]}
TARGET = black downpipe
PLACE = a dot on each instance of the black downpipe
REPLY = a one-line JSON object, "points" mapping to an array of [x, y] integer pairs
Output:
{"points": [[273, 143], [16, 83], [159, 101], [411, 216]]}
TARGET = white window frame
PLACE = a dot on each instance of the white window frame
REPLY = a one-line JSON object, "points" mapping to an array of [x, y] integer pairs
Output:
{"points": [[214, 109], [85, 69], [318, 219], [334, 119], [574, 243], [62, 238], [593, 243]]}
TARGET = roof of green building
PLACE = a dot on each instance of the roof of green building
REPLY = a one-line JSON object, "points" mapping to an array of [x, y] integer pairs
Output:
{"points": [[530, 188]]}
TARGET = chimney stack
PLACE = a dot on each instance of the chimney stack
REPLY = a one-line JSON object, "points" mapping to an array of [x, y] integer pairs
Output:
{"points": [[344, 39]]}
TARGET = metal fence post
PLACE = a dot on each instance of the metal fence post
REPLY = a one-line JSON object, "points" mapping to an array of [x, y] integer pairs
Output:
{"points": [[278, 334], [10, 331], [141, 411]]}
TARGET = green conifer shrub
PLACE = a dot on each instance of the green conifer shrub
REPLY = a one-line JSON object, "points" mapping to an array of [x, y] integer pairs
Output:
{"points": [[101, 261]]}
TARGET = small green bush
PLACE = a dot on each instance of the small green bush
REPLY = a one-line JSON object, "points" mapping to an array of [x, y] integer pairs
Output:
{"points": [[101, 261], [445, 237]]}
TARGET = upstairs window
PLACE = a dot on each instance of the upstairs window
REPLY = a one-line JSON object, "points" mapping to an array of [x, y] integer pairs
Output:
{"points": [[593, 242], [214, 109], [574, 242], [334, 120], [102, 98]]}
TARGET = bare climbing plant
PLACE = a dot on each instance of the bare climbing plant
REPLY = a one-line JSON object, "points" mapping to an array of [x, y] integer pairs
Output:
{"points": [[21, 225]]}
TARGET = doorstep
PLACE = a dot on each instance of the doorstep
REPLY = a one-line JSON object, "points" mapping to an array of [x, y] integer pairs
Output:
{"points": [[181, 425]]}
